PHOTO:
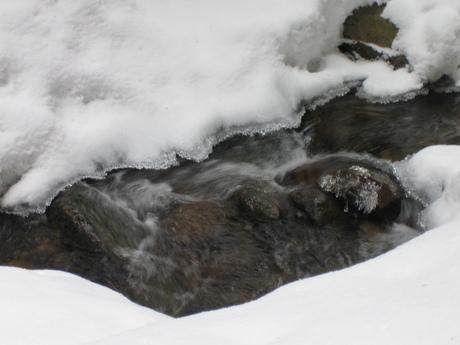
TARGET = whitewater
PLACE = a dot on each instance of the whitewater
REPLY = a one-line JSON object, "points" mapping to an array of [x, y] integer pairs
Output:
{"points": [[89, 86]]}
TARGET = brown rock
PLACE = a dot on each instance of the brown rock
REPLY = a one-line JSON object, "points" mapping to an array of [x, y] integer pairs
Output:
{"points": [[366, 189], [319, 206], [366, 25], [258, 200]]}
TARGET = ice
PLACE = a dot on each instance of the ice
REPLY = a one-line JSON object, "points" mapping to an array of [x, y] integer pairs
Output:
{"points": [[357, 185]]}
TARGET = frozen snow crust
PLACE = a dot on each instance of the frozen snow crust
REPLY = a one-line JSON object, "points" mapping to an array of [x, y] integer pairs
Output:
{"points": [[87, 86]]}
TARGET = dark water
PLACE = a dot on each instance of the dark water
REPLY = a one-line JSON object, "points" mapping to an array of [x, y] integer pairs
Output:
{"points": [[257, 214]]}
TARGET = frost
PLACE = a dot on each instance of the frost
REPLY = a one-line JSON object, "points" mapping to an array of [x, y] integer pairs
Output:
{"points": [[354, 184]]}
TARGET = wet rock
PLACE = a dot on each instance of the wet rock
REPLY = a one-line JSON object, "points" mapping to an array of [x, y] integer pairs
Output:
{"points": [[258, 200], [87, 219], [389, 131], [30, 242], [319, 206], [366, 189], [365, 185], [193, 222], [27, 242]]}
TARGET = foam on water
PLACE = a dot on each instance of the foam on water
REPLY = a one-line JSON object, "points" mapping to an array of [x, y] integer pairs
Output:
{"points": [[89, 86]]}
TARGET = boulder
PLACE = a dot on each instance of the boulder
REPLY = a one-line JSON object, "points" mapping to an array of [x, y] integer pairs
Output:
{"points": [[365, 24]]}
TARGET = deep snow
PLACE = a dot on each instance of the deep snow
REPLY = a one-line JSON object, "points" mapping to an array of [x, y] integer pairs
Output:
{"points": [[86, 86]]}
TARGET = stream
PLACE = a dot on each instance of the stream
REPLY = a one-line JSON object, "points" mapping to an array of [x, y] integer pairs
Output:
{"points": [[260, 212]]}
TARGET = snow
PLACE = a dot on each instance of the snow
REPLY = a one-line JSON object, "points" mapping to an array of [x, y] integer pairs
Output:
{"points": [[87, 86], [433, 176], [50, 307], [429, 35]]}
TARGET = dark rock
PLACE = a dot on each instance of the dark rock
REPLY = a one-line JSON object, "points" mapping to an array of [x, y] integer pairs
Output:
{"points": [[27, 242], [366, 189], [356, 50], [258, 200], [391, 131], [366, 185], [365, 29], [86, 218], [366, 24], [319, 206]]}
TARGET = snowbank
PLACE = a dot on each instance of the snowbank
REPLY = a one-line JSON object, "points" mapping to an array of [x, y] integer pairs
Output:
{"points": [[433, 176], [50, 307], [407, 296], [429, 35], [88, 86]]}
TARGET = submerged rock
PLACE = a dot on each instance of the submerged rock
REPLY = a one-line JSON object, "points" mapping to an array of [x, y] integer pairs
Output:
{"points": [[390, 131], [258, 200], [87, 219], [319, 206]]}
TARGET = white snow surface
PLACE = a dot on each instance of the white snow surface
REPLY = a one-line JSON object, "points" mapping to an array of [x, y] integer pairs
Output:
{"points": [[51, 307], [87, 86], [433, 176], [429, 35]]}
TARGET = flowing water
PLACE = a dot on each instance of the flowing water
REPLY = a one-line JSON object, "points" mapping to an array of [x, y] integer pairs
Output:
{"points": [[263, 210]]}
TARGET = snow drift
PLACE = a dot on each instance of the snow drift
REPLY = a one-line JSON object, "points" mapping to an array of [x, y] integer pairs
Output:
{"points": [[89, 86]]}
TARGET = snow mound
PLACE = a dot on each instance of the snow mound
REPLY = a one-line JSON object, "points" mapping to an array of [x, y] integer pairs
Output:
{"points": [[429, 35], [51, 307], [433, 176]]}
